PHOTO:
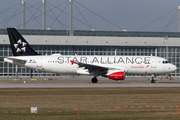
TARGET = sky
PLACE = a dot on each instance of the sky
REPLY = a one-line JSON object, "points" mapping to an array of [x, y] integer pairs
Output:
{"points": [[106, 15]]}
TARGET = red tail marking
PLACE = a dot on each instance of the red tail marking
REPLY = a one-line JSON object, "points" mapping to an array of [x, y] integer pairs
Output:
{"points": [[72, 62]]}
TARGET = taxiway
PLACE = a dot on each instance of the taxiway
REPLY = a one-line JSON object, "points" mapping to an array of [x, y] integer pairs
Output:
{"points": [[86, 83]]}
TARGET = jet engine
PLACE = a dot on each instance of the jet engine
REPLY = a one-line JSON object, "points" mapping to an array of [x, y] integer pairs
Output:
{"points": [[116, 74]]}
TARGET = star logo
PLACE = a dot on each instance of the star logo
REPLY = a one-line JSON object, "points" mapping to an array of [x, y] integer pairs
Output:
{"points": [[20, 46]]}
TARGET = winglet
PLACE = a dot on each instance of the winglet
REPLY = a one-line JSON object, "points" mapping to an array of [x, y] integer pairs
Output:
{"points": [[72, 62]]}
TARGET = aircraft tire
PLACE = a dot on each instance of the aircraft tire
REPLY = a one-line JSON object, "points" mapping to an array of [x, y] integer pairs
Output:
{"points": [[94, 80], [153, 81]]}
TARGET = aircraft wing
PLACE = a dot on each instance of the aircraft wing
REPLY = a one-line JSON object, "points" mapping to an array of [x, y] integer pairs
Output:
{"points": [[97, 68]]}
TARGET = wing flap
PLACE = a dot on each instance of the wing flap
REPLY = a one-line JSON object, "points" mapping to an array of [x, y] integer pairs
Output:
{"points": [[89, 66]]}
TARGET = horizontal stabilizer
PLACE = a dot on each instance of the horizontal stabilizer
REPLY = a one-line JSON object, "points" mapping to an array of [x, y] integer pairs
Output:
{"points": [[15, 59]]}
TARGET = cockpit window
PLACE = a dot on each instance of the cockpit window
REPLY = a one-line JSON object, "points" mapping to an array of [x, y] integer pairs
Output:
{"points": [[166, 62]]}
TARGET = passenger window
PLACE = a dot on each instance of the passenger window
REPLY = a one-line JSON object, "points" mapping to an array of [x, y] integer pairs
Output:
{"points": [[166, 62]]}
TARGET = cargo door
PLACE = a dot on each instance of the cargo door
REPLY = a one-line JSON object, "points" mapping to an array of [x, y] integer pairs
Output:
{"points": [[39, 62]]}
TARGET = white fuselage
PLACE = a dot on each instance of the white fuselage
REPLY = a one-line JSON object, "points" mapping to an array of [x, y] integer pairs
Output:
{"points": [[62, 65]]}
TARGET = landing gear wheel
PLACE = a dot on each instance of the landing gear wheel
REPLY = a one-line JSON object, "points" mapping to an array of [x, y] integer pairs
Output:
{"points": [[94, 80], [153, 81]]}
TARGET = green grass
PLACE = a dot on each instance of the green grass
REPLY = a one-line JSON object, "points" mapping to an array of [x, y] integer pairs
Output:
{"points": [[112, 115], [94, 103]]}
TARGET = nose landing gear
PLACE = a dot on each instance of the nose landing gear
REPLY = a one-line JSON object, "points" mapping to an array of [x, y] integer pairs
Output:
{"points": [[153, 81]]}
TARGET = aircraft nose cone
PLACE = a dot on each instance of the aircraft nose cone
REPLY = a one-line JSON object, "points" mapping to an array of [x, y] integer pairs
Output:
{"points": [[174, 68]]}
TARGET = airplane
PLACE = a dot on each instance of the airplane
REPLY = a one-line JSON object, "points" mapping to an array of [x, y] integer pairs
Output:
{"points": [[112, 67]]}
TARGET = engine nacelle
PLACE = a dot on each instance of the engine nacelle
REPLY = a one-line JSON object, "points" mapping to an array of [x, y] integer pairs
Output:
{"points": [[116, 74]]}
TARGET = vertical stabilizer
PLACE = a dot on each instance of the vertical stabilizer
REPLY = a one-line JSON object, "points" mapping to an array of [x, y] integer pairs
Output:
{"points": [[19, 45]]}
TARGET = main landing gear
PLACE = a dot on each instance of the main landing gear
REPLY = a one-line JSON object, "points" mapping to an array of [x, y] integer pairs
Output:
{"points": [[94, 80]]}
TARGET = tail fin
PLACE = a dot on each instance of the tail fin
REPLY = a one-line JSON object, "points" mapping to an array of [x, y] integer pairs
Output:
{"points": [[19, 45]]}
